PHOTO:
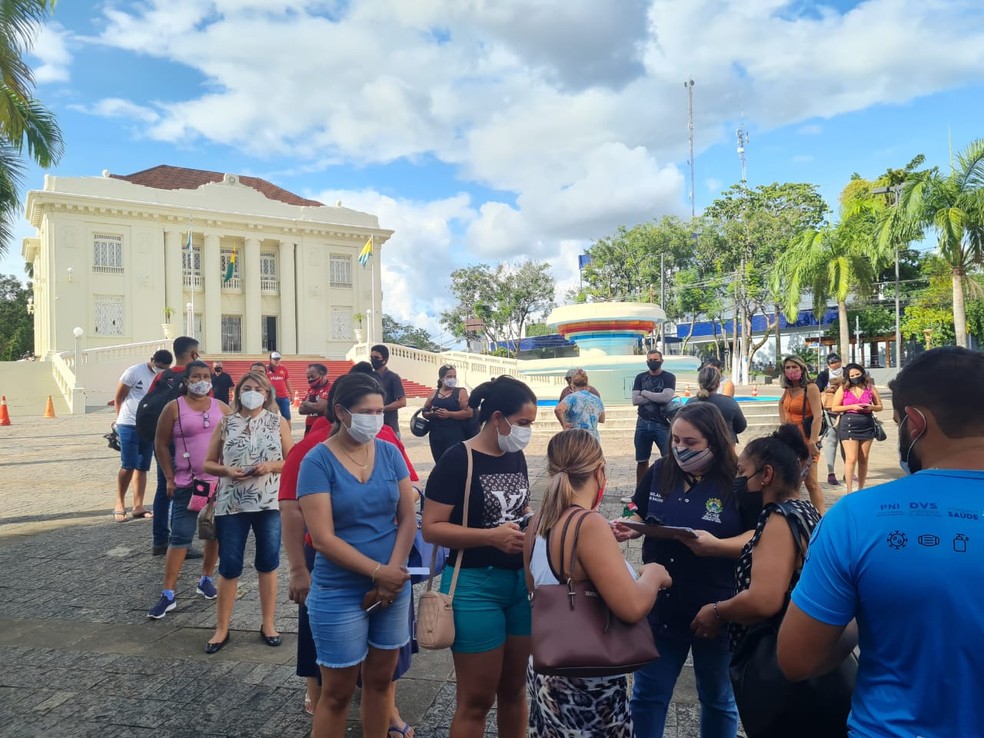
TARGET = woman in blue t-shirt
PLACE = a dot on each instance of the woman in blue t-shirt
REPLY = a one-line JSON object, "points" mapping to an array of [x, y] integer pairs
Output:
{"points": [[355, 493], [491, 609], [691, 488]]}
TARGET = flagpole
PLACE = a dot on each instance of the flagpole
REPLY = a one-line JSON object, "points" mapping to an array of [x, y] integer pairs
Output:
{"points": [[372, 282], [191, 258]]}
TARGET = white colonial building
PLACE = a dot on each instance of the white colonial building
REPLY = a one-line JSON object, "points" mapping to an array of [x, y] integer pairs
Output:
{"points": [[112, 256]]}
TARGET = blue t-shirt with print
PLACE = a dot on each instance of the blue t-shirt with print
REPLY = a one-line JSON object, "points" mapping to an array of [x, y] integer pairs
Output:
{"points": [[906, 559], [583, 411], [363, 514]]}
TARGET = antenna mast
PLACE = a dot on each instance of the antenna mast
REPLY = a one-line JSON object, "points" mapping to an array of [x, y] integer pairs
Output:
{"points": [[689, 84], [742, 142]]}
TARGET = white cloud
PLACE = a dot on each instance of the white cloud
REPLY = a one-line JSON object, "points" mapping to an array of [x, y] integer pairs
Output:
{"points": [[114, 107], [810, 129], [51, 50]]}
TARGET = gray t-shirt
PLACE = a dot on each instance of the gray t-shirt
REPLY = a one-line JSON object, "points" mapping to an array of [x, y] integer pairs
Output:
{"points": [[138, 378]]}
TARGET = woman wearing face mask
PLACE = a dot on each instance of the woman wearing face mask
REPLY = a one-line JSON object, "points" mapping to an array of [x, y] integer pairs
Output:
{"points": [[448, 412], [858, 400], [768, 469], [187, 423], [691, 488], [563, 706], [247, 452], [491, 607], [354, 491], [801, 405]]}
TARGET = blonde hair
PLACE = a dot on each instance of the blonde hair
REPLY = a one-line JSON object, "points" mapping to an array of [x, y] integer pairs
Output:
{"points": [[263, 381], [579, 378], [573, 456], [804, 380], [708, 380]]}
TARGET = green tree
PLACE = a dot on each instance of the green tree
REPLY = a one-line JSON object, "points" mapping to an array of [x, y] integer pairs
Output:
{"points": [[505, 298], [404, 334], [756, 226], [952, 206], [16, 326], [24, 121]]}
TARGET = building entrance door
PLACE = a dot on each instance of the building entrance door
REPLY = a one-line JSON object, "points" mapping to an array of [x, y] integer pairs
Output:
{"points": [[269, 337]]}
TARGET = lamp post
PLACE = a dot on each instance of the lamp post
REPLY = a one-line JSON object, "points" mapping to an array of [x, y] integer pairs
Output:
{"points": [[897, 192], [191, 319], [78, 333]]}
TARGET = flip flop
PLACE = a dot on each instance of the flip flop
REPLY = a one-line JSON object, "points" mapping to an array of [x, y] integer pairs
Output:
{"points": [[406, 731], [143, 514], [119, 516], [308, 706]]}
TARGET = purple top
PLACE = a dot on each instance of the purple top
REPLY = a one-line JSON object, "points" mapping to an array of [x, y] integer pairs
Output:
{"points": [[192, 433], [867, 397]]}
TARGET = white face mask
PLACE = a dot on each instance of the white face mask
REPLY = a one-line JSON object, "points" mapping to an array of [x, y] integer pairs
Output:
{"points": [[202, 387], [518, 438], [251, 399], [364, 427], [835, 373], [450, 382]]}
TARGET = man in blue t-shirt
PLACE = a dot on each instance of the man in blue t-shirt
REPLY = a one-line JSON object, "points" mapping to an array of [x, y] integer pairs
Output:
{"points": [[898, 569]]}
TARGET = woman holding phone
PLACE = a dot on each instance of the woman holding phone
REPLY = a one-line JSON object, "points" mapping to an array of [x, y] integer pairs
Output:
{"points": [[858, 400]]}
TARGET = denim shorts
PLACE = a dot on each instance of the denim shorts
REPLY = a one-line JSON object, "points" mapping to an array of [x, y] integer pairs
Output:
{"points": [[184, 522], [343, 631], [489, 604], [231, 532], [135, 453], [647, 433]]}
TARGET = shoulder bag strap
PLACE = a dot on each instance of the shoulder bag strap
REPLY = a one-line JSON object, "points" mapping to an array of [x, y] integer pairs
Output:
{"points": [[804, 402], [464, 523], [569, 577], [530, 539], [184, 440]]}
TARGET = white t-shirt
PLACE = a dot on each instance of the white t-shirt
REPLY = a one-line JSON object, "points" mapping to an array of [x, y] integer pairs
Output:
{"points": [[138, 378]]}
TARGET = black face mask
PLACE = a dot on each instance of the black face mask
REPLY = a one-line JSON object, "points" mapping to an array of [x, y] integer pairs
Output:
{"points": [[654, 365], [377, 363], [218, 370], [856, 380], [739, 486]]}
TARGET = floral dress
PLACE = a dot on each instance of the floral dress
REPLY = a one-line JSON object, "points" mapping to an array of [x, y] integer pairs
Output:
{"points": [[247, 442]]}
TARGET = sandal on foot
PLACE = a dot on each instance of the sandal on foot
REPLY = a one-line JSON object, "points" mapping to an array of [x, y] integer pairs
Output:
{"points": [[406, 731], [119, 516], [137, 515], [308, 706]]}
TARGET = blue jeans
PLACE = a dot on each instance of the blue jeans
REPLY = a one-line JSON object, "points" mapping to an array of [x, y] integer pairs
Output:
{"points": [[162, 508], [654, 684], [284, 404], [647, 433], [231, 532]]}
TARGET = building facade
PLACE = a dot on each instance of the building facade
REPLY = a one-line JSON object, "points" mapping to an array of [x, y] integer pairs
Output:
{"points": [[243, 265]]}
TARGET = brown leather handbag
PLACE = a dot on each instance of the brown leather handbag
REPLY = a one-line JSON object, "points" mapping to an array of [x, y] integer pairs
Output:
{"points": [[435, 613], [575, 634]]}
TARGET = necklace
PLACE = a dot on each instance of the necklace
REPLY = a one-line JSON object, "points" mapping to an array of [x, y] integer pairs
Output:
{"points": [[353, 460]]}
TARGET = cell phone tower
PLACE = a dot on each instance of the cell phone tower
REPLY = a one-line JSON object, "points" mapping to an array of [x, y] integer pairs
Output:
{"points": [[742, 143], [689, 84]]}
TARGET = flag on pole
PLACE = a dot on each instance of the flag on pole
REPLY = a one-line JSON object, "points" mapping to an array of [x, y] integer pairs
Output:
{"points": [[366, 253], [230, 267]]}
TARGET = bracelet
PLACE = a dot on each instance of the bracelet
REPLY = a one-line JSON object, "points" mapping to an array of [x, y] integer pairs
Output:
{"points": [[376, 571], [717, 614]]}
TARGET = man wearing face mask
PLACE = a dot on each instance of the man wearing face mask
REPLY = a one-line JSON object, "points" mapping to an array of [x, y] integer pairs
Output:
{"points": [[897, 568], [315, 405], [394, 395], [828, 381], [652, 391]]}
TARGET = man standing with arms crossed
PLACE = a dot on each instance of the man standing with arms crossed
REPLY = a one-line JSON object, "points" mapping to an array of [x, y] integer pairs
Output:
{"points": [[897, 569], [652, 391], [135, 453]]}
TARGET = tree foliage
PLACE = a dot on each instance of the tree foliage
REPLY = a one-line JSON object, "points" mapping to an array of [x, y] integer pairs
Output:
{"points": [[405, 334], [16, 326], [504, 297]]}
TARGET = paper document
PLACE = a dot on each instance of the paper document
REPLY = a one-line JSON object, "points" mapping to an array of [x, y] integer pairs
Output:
{"points": [[670, 532]]}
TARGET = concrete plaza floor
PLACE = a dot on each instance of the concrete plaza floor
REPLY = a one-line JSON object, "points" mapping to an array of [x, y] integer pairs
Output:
{"points": [[78, 656]]}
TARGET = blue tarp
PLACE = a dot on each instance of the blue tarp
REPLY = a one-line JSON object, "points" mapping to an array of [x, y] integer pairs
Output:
{"points": [[805, 319]]}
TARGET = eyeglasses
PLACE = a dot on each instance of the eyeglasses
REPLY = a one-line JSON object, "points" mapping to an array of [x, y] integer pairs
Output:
{"points": [[205, 419]]}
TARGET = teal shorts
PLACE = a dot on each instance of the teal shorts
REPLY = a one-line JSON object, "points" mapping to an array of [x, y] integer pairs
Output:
{"points": [[489, 604]]}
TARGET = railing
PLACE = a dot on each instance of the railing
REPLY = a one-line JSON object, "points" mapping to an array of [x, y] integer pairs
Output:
{"points": [[65, 378], [232, 285], [105, 269], [269, 285], [142, 349], [193, 281]]}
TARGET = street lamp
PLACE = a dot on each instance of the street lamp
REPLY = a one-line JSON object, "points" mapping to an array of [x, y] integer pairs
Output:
{"points": [[78, 333], [897, 192], [191, 319]]}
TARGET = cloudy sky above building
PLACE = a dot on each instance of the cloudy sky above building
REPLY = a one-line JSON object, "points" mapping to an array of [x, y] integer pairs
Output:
{"points": [[487, 131]]}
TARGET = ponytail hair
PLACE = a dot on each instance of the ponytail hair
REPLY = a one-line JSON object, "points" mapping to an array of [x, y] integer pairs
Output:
{"points": [[785, 450], [708, 380], [442, 372], [573, 456], [505, 394]]}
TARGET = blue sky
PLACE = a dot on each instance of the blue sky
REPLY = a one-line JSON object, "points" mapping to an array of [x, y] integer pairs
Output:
{"points": [[495, 131]]}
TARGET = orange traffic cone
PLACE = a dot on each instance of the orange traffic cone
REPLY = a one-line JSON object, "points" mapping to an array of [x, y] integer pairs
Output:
{"points": [[4, 413], [686, 392], [755, 390], [49, 409], [297, 398]]}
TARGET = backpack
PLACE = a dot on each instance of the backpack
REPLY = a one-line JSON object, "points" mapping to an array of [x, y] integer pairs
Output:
{"points": [[149, 411]]}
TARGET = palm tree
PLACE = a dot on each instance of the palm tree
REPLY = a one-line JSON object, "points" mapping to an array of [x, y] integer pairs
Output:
{"points": [[953, 206], [834, 261], [24, 122]]}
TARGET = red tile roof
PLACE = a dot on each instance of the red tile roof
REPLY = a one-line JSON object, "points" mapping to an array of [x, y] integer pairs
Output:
{"points": [[165, 177]]}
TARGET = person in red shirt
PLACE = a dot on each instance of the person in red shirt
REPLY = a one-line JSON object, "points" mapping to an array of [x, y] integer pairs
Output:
{"points": [[280, 379], [315, 405], [300, 555]]}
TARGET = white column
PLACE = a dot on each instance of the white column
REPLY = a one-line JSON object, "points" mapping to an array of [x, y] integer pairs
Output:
{"points": [[251, 289], [212, 283], [288, 292], [173, 279]]}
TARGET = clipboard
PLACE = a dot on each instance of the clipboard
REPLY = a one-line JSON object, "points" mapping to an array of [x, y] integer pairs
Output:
{"points": [[665, 532]]}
